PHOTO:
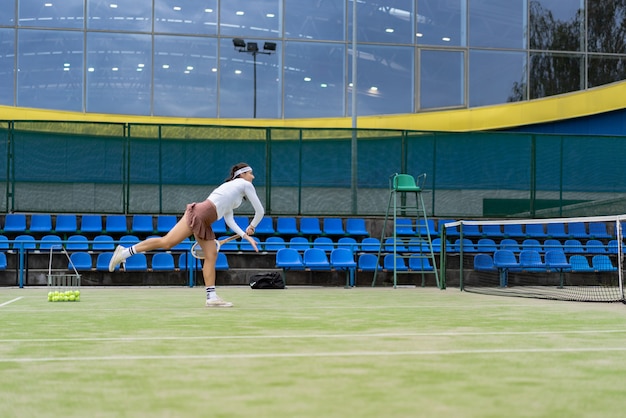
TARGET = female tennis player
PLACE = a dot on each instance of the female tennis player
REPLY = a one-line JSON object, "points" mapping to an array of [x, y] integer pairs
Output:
{"points": [[197, 220]]}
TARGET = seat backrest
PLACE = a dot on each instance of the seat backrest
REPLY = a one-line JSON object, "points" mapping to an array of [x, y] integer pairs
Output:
{"points": [[556, 257], [404, 182], [333, 226], [573, 246], [483, 262], [221, 263], [142, 224], [219, 227], [77, 243], [3, 261], [15, 222], [136, 262], [315, 257], [368, 262], [50, 242], [265, 227], [274, 243], [388, 262], [103, 243], [40, 222], [310, 226], [602, 263], [80, 261], [356, 227], [579, 263], [370, 244], [115, 224], [163, 262], [299, 243], [531, 244], [504, 257], [129, 240], [165, 223], [102, 261], [595, 246], [577, 230], [91, 223], [420, 264], [486, 245], [509, 244], [325, 243], [530, 257], [28, 242], [341, 256], [288, 257], [66, 223], [286, 226]]}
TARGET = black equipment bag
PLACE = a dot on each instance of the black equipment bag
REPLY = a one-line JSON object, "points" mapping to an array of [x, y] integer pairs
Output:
{"points": [[272, 280]]}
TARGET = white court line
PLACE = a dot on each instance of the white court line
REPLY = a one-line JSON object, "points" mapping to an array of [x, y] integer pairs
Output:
{"points": [[314, 336], [11, 301], [309, 355]]}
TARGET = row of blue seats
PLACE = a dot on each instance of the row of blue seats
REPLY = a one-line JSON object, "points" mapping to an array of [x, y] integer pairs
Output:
{"points": [[161, 261], [590, 246], [562, 230], [343, 259], [149, 224], [532, 261]]}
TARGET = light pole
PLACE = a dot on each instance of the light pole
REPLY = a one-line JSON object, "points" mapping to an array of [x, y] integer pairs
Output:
{"points": [[252, 48]]}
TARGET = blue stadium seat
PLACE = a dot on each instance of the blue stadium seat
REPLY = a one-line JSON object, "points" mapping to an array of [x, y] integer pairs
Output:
{"points": [[310, 226], [530, 260], [595, 246], [370, 244], [187, 262], [531, 244], [221, 264], [404, 226], [91, 224], [315, 259], [274, 243], [492, 231], [15, 222], [388, 263], [129, 240], [468, 245], [602, 263], [557, 261], [244, 245], [420, 227], [103, 243], [577, 230], [333, 226], [470, 231], [573, 246], [136, 262], [399, 244], [40, 223], [486, 245], [286, 226], [299, 243], [420, 264], [142, 224], [484, 262], [580, 264], [115, 224], [289, 259], [3, 261], [510, 244], [556, 230], [342, 259], [102, 262], [77, 243], [349, 243], [219, 227], [265, 227], [325, 243], [368, 262], [50, 242], [598, 230], [552, 244], [163, 262], [451, 231], [4, 242], [513, 231], [66, 224], [165, 223], [505, 260], [356, 227], [242, 222], [536, 231], [27, 242], [80, 261]]}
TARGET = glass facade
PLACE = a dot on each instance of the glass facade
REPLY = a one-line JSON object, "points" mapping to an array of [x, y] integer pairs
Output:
{"points": [[294, 59]]}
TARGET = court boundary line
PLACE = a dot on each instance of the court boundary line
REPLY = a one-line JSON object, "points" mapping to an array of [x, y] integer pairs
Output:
{"points": [[11, 301], [313, 354]]}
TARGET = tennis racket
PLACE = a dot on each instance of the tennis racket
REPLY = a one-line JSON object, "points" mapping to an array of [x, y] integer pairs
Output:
{"points": [[196, 249]]}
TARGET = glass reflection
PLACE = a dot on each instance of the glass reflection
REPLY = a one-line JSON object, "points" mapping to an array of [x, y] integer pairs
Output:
{"points": [[185, 76], [384, 80], [238, 93], [441, 81], [606, 23], [441, 23], [320, 20], [497, 24], [258, 18], [496, 77], [552, 74], [557, 25], [112, 15], [50, 67], [45, 13], [605, 69], [314, 80], [7, 63], [389, 23], [188, 17], [118, 73]]}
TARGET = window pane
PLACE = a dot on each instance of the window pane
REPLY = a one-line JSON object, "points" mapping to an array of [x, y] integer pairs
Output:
{"points": [[185, 76], [384, 80], [606, 20], [51, 69], [497, 24], [192, 16], [7, 55], [605, 70], [238, 93], [135, 15], [552, 74], [556, 25], [314, 80], [321, 20], [58, 14], [243, 18], [392, 23], [441, 23], [441, 79], [118, 73], [7, 17], [496, 77]]}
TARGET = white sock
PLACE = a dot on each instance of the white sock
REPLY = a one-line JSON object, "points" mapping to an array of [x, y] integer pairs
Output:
{"points": [[210, 293], [127, 252]]}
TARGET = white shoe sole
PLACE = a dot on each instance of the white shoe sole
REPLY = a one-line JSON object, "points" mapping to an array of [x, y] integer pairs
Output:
{"points": [[221, 304], [116, 258]]}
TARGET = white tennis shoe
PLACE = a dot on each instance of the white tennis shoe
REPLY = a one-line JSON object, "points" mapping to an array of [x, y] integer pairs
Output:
{"points": [[116, 258], [218, 303]]}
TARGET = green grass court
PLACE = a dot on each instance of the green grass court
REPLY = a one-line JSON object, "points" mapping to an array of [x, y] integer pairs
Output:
{"points": [[308, 352]]}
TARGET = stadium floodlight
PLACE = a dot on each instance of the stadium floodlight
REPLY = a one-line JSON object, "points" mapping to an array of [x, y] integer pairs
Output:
{"points": [[252, 48]]}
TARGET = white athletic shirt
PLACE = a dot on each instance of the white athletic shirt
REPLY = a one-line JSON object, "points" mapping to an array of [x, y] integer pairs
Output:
{"points": [[229, 195]]}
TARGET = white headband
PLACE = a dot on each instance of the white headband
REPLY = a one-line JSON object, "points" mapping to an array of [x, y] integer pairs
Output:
{"points": [[241, 171]]}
